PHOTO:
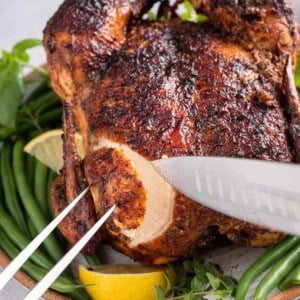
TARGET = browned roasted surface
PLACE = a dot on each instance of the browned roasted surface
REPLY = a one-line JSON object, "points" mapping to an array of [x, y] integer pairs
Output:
{"points": [[110, 173], [173, 88], [266, 25], [68, 186], [197, 96]]}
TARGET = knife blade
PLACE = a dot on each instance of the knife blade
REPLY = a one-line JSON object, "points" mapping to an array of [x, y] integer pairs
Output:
{"points": [[260, 192]]}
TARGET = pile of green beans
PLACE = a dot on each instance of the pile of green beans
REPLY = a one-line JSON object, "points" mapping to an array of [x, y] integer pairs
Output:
{"points": [[284, 262], [24, 192]]}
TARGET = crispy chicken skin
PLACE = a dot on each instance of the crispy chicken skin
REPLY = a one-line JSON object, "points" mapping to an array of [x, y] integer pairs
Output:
{"points": [[66, 187], [139, 91]]}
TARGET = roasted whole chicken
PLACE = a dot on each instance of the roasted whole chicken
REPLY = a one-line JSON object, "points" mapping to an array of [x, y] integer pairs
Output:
{"points": [[139, 90]]}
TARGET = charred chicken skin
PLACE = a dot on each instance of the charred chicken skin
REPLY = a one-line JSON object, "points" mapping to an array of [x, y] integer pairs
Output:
{"points": [[139, 90]]}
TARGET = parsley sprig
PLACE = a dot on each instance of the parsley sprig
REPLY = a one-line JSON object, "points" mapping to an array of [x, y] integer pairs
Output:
{"points": [[185, 11], [12, 82], [197, 280]]}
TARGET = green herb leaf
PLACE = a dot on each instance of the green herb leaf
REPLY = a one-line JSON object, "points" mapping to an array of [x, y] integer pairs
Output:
{"points": [[213, 280], [221, 294], [200, 18], [199, 297], [169, 284], [151, 16], [229, 283], [187, 12], [214, 269], [11, 80], [200, 270], [187, 265], [199, 281], [189, 296], [174, 268], [197, 284], [159, 294], [297, 73], [11, 90], [24, 45]]}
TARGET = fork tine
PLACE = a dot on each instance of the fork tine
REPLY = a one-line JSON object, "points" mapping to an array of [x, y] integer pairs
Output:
{"points": [[16, 264], [45, 283]]}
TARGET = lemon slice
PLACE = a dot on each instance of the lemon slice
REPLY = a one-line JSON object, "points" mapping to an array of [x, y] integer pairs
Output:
{"points": [[48, 148], [123, 282]]}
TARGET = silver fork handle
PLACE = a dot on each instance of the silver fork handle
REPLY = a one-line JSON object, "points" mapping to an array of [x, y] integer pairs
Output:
{"points": [[46, 282]]}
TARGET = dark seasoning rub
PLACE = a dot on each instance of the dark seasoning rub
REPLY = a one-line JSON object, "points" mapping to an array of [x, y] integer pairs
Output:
{"points": [[221, 88]]}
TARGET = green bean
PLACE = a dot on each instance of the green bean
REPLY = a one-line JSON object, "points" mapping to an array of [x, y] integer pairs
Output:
{"points": [[9, 186], [62, 284], [32, 230], [32, 109], [33, 233], [279, 271], [45, 121], [29, 115], [50, 179], [296, 275], [291, 279], [57, 233], [1, 183], [46, 97], [79, 294], [286, 283], [92, 260], [51, 103], [263, 263], [33, 88], [51, 116], [30, 204], [40, 186], [30, 169], [20, 239]]}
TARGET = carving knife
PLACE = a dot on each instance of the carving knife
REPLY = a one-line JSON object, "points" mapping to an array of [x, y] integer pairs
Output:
{"points": [[260, 192]]}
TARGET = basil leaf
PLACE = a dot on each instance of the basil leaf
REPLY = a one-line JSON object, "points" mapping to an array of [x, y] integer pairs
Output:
{"points": [[11, 90], [11, 80], [20, 48]]}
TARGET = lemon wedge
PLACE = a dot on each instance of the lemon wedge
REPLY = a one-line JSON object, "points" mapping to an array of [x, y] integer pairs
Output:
{"points": [[48, 148], [123, 282]]}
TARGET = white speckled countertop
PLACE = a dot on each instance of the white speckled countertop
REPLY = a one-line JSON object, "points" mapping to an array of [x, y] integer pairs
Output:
{"points": [[21, 19]]}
